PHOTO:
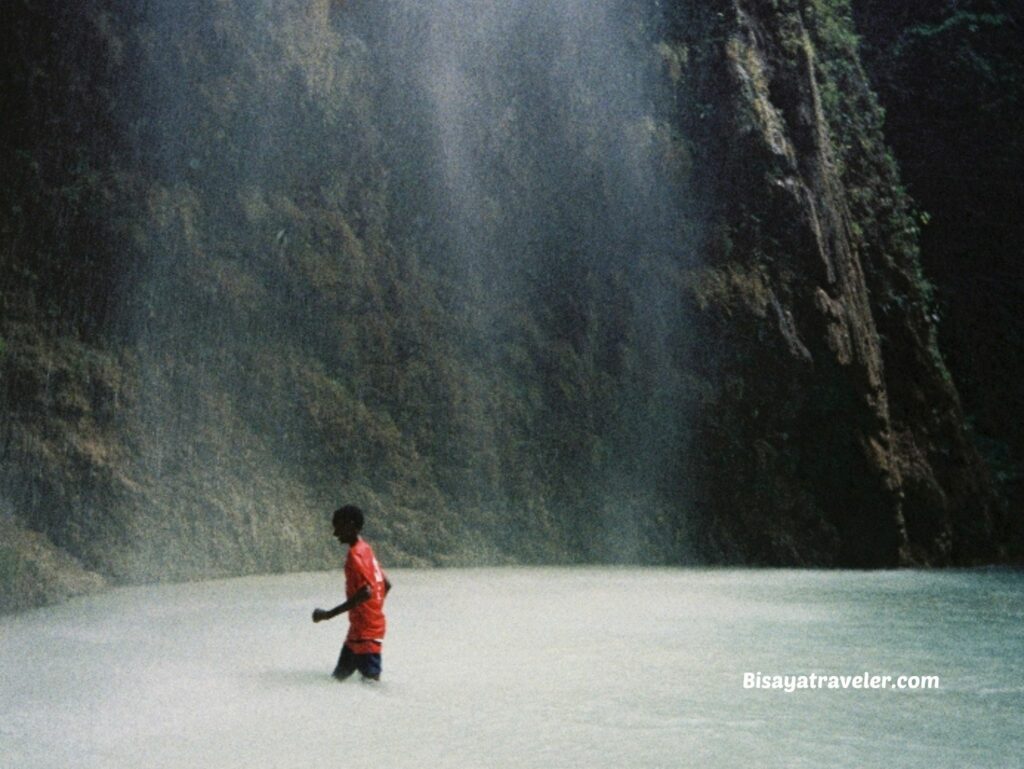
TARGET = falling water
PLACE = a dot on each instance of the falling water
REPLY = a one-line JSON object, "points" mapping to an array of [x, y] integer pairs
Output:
{"points": [[501, 283], [546, 136]]}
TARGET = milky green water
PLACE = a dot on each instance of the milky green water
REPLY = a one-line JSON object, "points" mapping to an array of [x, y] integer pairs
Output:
{"points": [[525, 668]]}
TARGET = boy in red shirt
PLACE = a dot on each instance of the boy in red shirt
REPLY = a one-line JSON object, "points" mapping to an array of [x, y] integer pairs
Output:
{"points": [[365, 588]]}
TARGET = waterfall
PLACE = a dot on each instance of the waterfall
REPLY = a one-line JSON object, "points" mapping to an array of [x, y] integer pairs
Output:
{"points": [[542, 132], [423, 256]]}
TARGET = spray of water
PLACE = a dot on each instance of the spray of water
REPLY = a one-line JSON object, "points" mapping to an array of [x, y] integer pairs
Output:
{"points": [[447, 233], [545, 128]]}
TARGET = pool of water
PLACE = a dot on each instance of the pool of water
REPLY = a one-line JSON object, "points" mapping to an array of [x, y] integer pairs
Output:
{"points": [[524, 667]]}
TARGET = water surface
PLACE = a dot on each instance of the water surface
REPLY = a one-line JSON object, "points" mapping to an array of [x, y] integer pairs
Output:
{"points": [[524, 668]]}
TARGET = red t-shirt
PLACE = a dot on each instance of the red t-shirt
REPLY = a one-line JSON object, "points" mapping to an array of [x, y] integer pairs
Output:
{"points": [[366, 621]]}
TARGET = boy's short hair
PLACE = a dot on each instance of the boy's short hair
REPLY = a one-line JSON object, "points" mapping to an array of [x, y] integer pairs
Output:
{"points": [[349, 513]]}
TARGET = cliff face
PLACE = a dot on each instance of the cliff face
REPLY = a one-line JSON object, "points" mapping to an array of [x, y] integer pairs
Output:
{"points": [[835, 419], [951, 79], [657, 299]]}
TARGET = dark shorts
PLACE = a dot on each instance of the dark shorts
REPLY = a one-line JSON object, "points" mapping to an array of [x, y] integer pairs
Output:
{"points": [[349, 662]]}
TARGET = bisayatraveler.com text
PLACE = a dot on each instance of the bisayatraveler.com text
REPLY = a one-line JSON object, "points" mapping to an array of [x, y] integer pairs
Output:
{"points": [[795, 682]]}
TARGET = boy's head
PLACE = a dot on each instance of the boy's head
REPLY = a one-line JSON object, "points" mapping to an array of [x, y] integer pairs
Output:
{"points": [[348, 522]]}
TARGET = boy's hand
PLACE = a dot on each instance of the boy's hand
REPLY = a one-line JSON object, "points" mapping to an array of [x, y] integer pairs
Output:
{"points": [[320, 614]]}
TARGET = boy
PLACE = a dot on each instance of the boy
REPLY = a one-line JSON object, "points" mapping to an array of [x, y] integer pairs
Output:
{"points": [[365, 588]]}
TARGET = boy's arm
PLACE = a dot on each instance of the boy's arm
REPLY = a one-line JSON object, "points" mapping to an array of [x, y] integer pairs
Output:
{"points": [[361, 596]]}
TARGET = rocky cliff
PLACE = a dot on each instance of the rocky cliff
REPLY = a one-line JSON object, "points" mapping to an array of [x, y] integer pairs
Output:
{"points": [[951, 79], [835, 413], [655, 300]]}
